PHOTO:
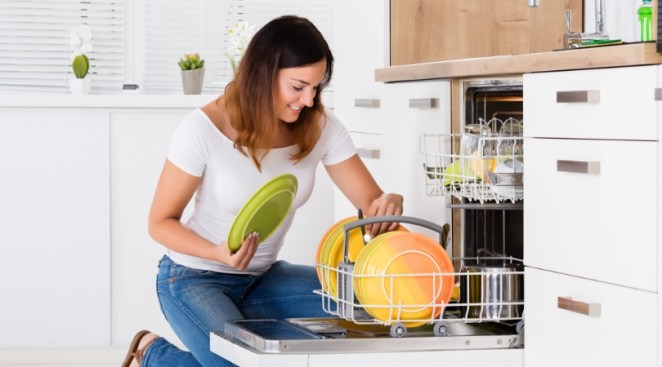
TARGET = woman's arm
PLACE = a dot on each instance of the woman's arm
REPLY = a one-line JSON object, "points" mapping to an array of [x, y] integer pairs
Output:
{"points": [[357, 184], [173, 192]]}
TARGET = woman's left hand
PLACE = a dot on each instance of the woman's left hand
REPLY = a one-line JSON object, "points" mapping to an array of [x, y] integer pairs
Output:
{"points": [[385, 204]]}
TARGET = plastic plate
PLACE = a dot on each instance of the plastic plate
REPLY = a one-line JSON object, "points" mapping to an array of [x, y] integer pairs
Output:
{"points": [[264, 211]]}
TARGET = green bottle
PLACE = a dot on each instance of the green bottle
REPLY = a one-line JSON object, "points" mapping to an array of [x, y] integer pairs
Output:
{"points": [[645, 13]]}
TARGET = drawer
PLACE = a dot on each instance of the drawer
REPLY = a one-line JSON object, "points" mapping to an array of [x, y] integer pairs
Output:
{"points": [[361, 112], [623, 334], [616, 103], [602, 226]]}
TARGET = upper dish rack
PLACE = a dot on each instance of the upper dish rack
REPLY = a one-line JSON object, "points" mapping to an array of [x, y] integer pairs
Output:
{"points": [[489, 168]]}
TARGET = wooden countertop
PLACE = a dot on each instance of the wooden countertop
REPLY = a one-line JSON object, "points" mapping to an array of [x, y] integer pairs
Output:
{"points": [[587, 58]]}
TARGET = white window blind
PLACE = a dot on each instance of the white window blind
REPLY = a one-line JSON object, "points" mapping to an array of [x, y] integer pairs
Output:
{"points": [[174, 28], [35, 55]]}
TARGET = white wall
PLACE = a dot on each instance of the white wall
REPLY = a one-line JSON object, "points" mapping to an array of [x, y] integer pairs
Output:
{"points": [[622, 22]]}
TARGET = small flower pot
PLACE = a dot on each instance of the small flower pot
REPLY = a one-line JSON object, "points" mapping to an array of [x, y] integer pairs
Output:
{"points": [[192, 80], [80, 86]]}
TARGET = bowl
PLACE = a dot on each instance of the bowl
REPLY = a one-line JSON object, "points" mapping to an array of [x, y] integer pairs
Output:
{"points": [[508, 178]]}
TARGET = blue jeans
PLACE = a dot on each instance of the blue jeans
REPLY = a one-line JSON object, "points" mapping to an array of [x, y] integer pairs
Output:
{"points": [[197, 302]]}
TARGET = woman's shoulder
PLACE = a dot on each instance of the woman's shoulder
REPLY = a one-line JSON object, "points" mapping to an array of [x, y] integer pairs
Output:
{"points": [[196, 123]]}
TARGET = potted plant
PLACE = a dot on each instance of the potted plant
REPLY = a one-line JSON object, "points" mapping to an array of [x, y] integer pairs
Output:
{"points": [[193, 73], [80, 39]]}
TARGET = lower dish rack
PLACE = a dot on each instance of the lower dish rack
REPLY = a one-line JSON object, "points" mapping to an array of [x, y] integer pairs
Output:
{"points": [[484, 290]]}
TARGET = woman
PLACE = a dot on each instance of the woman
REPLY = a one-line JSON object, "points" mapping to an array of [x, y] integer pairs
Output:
{"points": [[270, 121]]}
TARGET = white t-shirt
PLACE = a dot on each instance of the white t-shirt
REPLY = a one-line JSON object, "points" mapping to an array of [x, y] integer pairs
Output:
{"points": [[229, 178]]}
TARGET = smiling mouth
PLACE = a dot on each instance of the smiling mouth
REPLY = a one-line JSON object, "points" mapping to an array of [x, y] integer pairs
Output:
{"points": [[293, 107]]}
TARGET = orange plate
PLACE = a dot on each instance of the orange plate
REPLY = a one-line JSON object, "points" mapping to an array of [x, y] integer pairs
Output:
{"points": [[404, 276]]}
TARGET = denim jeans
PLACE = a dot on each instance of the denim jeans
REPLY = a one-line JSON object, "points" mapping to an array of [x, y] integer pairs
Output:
{"points": [[197, 302]]}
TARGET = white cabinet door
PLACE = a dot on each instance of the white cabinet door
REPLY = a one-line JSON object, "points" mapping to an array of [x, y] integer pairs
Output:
{"points": [[369, 148], [55, 230], [361, 44], [139, 143], [459, 358], [616, 103], [600, 225], [411, 110], [624, 333]]}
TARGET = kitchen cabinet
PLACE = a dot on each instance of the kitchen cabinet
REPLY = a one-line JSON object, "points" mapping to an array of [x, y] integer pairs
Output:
{"points": [[621, 334], [358, 99], [432, 30], [386, 120], [407, 111], [139, 142], [412, 110], [55, 226], [591, 217], [76, 195]]}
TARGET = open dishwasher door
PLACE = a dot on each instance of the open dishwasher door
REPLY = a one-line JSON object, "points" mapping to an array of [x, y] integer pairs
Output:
{"points": [[330, 341]]}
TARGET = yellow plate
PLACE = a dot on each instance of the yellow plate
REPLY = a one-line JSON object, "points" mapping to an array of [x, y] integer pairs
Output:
{"points": [[264, 211]]}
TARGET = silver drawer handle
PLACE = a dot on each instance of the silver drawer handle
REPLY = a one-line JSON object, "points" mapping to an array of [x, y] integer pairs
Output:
{"points": [[368, 153], [658, 94], [423, 103], [366, 102], [578, 96], [589, 309], [591, 168]]}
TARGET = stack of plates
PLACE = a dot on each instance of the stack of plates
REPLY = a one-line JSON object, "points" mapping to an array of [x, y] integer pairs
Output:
{"points": [[331, 251], [402, 276]]}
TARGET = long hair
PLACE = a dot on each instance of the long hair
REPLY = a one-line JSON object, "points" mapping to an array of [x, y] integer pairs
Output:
{"points": [[285, 42]]}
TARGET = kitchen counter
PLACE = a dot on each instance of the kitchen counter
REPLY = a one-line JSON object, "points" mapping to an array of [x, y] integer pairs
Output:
{"points": [[160, 101], [587, 58]]}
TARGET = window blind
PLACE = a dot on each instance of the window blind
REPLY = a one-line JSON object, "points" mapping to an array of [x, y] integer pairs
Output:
{"points": [[35, 55], [174, 28]]}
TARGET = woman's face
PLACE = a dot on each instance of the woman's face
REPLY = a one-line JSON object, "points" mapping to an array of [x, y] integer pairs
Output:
{"points": [[296, 89]]}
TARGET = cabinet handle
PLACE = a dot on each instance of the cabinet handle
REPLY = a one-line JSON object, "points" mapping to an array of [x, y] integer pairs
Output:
{"points": [[423, 103], [591, 168], [589, 309], [578, 96], [658, 94], [368, 153], [366, 102]]}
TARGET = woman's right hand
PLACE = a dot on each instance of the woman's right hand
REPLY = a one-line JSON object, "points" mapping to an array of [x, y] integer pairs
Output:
{"points": [[241, 258]]}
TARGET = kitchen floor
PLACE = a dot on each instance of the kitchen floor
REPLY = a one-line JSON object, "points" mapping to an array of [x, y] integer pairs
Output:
{"points": [[106, 357]]}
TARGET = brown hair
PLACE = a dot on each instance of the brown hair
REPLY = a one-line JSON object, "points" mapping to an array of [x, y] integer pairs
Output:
{"points": [[285, 42]]}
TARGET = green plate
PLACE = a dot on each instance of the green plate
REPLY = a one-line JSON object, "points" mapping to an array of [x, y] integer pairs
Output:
{"points": [[264, 211]]}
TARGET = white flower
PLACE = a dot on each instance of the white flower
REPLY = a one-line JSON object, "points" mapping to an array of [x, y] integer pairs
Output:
{"points": [[80, 39], [240, 36]]}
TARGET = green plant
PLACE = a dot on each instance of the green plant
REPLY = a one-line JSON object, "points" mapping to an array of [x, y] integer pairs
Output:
{"points": [[80, 65], [191, 62]]}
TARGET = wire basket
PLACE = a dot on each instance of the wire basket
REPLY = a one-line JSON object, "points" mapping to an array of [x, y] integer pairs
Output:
{"points": [[484, 290], [492, 172]]}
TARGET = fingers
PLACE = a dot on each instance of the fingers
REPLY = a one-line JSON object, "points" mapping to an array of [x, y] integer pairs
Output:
{"points": [[240, 259], [385, 204]]}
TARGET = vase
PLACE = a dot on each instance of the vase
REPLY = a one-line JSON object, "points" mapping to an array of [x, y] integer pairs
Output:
{"points": [[80, 86], [192, 80]]}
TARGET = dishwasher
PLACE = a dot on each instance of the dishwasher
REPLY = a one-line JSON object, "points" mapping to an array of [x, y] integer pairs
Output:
{"points": [[484, 325], [487, 328]]}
